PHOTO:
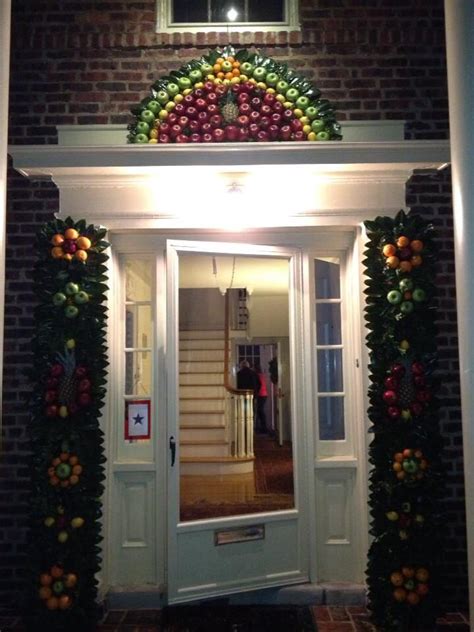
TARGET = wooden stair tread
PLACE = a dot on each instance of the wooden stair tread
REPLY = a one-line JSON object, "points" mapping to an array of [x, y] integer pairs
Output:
{"points": [[216, 459], [201, 427], [200, 397], [201, 412], [201, 385], [201, 442]]}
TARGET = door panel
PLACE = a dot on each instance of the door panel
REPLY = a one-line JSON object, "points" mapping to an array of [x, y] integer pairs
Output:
{"points": [[271, 547]]}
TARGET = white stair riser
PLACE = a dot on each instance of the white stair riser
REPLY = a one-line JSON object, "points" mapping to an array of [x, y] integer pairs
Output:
{"points": [[201, 419], [202, 434], [216, 469], [202, 391], [204, 450], [200, 378], [201, 355], [201, 344], [201, 405], [201, 367], [201, 335]]}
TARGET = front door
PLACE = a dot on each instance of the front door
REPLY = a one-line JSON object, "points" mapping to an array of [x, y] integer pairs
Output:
{"points": [[237, 492]]}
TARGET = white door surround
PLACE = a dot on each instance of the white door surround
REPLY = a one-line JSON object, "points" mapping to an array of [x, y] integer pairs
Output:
{"points": [[239, 190]]}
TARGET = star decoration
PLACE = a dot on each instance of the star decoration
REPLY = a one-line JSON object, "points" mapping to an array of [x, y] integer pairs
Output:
{"points": [[138, 419]]}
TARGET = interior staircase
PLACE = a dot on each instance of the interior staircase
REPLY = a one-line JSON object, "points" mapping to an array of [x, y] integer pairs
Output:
{"points": [[205, 438]]}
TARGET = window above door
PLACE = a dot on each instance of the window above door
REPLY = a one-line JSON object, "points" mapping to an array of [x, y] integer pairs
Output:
{"points": [[178, 16]]}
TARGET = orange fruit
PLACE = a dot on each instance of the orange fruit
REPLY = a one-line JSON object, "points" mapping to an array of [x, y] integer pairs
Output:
{"points": [[405, 266], [54, 480], [70, 580], [398, 457], [408, 571], [84, 243], [397, 467], [57, 252], [56, 571], [401, 476], [231, 59], [236, 72], [407, 453], [219, 60], [51, 471], [73, 460], [413, 599], [74, 479], [71, 233], [46, 579], [389, 250], [57, 239], [228, 75], [397, 578], [55, 461], [220, 75], [422, 590], [418, 454], [403, 242], [64, 456], [80, 255], [422, 575], [416, 261], [400, 594], [65, 602], [393, 262], [216, 68], [236, 64], [45, 592], [52, 603], [67, 257], [417, 245], [77, 469]]}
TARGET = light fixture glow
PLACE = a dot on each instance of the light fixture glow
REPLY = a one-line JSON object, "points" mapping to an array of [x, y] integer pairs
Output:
{"points": [[232, 14]]}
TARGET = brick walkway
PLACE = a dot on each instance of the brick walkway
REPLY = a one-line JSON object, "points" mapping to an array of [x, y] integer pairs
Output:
{"points": [[328, 619]]}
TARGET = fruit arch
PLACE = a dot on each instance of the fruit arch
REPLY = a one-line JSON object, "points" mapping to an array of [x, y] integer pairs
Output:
{"points": [[229, 96], [405, 452], [68, 394]]}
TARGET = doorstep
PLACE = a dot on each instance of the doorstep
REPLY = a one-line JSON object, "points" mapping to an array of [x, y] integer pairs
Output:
{"points": [[333, 594]]}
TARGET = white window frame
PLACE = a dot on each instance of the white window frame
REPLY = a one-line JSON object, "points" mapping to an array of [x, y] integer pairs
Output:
{"points": [[164, 22]]}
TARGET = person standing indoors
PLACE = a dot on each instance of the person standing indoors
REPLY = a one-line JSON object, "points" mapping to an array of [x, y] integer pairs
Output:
{"points": [[247, 379], [262, 394]]}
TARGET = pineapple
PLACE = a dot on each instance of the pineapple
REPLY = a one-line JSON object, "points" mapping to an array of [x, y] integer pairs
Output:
{"points": [[230, 109], [67, 387]]}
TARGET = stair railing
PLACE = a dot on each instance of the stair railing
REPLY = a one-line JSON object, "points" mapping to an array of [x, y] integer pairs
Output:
{"points": [[241, 408]]}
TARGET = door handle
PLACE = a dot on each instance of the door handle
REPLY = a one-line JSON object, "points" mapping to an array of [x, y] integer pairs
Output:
{"points": [[173, 450]]}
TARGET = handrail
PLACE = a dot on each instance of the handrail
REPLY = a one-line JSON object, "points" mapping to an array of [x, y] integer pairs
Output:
{"points": [[228, 386]]}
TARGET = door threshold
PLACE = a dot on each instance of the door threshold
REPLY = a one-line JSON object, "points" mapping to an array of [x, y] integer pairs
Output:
{"points": [[326, 593]]}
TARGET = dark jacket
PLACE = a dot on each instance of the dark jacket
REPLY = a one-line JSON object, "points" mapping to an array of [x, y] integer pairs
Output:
{"points": [[247, 379]]}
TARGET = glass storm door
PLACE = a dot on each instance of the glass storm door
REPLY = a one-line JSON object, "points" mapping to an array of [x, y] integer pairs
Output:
{"points": [[237, 489]]}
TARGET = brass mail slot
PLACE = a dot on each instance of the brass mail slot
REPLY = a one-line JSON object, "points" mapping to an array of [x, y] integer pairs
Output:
{"points": [[241, 534]]}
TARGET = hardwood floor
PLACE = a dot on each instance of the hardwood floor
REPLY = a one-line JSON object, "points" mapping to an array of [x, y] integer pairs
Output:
{"points": [[268, 488]]}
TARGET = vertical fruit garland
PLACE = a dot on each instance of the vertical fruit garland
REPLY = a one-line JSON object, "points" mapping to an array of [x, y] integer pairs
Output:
{"points": [[67, 443], [405, 453]]}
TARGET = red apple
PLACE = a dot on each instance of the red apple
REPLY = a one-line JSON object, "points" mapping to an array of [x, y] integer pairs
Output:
{"points": [[285, 132], [209, 86], [393, 412], [52, 382], [56, 370], [183, 122], [202, 117], [417, 368], [200, 105], [269, 99], [254, 116], [187, 100], [218, 134], [273, 132], [243, 97], [265, 122], [253, 130], [195, 138], [287, 115], [191, 112], [391, 383], [262, 136], [84, 399], [278, 107], [212, 99], [206, 128], [50, 396], [256, 103], [216, 121], [164, 139], [175, 130], [179, 108], [232, 133], [182, 139], [296, 125], [207, 138], [165, 128], [299, 135], [171, 120], [243, 134], [245, 108], [398, 370], [243, 120], [194, 127], [198, 93], [52, 411]]}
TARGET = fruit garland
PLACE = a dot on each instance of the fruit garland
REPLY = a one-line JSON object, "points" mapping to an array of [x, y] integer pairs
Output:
{"points": [[405, 452], [229, 96], [67, 466]]}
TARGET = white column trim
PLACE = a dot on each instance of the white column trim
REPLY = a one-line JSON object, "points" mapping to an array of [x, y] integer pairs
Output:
{"points": [[5, 19], [460, 56]]}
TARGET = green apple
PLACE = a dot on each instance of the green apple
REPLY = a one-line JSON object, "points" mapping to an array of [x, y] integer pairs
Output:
{"points": [[410, 466], [292, 94], [259, 73], [141, 139], [406, 285], [272, 79], [58, 587], [172, 89], [81, 297], [195, 75], [406, 307], [317, 125], [246, 68], [406, 414], [63, 412], [302, 102], [419, 519], [409, 584], [206, 69], [71, 311], [63, 471], [184, 83], [142, 127], [70, 343], [394, 297], [311, 112], [282, 87], [49, 521], [322, 135], [419, 295], [226, 66], [162, 97], [154, 106], [77, 522], [392, 516], [71, 288], [147, 116], [63, 537], [59, 299]]}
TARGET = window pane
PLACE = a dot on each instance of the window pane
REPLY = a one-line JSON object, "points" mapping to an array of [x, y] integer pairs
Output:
{"points": [[330, 371], [138, 326], [137, 373], [190, 11], [328, 324], [137, 280], [331, 418], [266, 11], [220, 9], [327, 278]]}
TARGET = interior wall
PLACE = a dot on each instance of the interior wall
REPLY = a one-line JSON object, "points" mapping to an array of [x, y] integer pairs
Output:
{"points": [[268, 316], [77, 63]]}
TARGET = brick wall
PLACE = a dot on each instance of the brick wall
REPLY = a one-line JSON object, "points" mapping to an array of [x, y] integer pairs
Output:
{"points": [[88, 62]]}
